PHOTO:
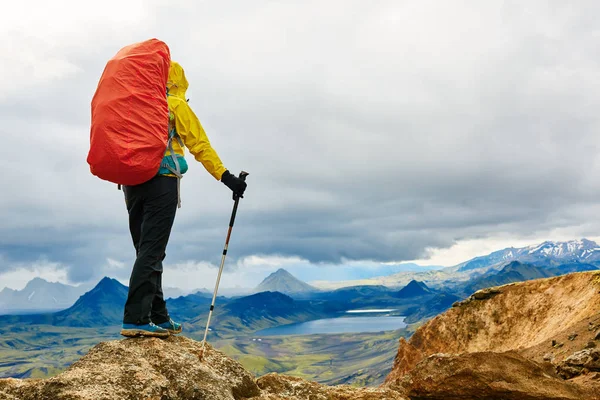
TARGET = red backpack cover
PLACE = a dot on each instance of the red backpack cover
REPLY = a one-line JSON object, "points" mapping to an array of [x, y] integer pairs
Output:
{"points": [[130, 115]]}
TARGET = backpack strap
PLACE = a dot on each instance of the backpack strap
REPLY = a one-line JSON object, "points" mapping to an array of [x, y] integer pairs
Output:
{"points": [[177, 170]]}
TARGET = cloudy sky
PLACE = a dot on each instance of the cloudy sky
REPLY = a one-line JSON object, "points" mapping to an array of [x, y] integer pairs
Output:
{"points": [[375, 133]]}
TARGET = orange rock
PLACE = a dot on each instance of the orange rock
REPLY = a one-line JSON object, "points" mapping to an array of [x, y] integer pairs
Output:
{"points": [[488, 375]]}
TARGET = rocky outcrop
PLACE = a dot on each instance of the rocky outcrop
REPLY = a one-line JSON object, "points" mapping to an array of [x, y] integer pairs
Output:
{"points": [[149, 368], [171, 369], [516, 316], [488, 375], [277, 387], [583, 361], [485, 294]]}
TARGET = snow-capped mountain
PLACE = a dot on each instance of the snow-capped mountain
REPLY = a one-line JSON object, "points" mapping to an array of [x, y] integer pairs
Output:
{"points": [[582, 250], [39, 295], [544, 254], [554, 257]]}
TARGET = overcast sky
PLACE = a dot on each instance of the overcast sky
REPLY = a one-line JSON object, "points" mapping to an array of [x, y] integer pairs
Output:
{"points": [[373, 131]]}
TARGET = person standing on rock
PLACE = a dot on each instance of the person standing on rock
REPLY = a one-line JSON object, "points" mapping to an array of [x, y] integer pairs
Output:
{"points": [[151, 207], [141, 123]]}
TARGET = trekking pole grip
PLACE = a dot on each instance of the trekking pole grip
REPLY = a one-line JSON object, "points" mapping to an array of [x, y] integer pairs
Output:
{"points": [[242, 176], [236, 198]]}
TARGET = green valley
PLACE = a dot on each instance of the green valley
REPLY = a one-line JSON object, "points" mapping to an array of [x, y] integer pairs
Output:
{"points": [[39, 351]]}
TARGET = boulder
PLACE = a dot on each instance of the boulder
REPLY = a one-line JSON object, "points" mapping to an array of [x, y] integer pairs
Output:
{"points": [[485, 294], [573, 336], [580, 362], [548, 357]]}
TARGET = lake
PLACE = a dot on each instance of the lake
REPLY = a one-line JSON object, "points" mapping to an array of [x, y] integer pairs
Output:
{"points": [[337, 325]]}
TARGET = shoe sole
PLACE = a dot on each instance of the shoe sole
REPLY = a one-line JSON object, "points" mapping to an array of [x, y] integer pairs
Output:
{"points": [[139, 332], [172, 332]]}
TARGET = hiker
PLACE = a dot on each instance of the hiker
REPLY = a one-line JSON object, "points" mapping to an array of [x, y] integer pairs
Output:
{"points": [[151, 206]]}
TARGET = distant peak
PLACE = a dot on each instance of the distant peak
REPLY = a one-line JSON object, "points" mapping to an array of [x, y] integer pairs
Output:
{"points": [[514, 263], [108, 283], [588, 243], [37, 280], [281, 271], [284, 282], [415, 282], [566, 251], [413, 289], [582, 241], [36, 283], [6, 289]]}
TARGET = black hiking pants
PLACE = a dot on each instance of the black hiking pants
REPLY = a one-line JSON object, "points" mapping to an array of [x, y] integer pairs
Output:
{"points": [[151, 206]]}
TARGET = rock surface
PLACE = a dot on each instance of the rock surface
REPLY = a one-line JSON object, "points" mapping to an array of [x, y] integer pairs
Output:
{"points": [[171, 369], [148, 368], [277, 386], [517, 316], [488, 375]]}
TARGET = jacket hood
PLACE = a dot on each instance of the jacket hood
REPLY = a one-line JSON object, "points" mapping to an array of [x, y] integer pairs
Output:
{"points": [[177, 83]]}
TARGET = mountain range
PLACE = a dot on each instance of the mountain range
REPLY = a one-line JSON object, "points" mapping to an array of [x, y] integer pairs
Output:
{"points": [[258, 311], [545, 254], [570, 256], [39, 295], [531, 340], [516, 271], [548, 259], [100, 309], [282, 298], [103, 306]]}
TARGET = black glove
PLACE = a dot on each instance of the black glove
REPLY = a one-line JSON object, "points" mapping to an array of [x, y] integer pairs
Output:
{"points": [[234, 183]]}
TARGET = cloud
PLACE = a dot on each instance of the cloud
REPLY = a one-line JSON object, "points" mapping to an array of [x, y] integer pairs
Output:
{"points": [[191, 276], [19, 275], [371, 131]]}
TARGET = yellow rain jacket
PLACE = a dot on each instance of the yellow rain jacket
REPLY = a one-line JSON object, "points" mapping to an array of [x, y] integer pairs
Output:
{"points": [[188, 126]]}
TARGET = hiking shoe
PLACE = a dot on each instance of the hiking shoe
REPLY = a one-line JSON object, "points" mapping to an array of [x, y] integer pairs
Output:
{"points": [[173, 327], [132, 330]]}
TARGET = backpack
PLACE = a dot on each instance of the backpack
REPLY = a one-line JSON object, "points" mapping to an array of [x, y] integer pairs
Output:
{"points": [[130, 116]]}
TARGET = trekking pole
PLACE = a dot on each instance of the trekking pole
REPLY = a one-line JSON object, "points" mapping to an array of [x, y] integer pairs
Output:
{"points": [[236, 199]]}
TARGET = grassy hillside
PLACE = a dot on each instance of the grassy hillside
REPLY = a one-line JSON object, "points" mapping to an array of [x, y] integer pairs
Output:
{"points": [[39, 351], [354, 358]]}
